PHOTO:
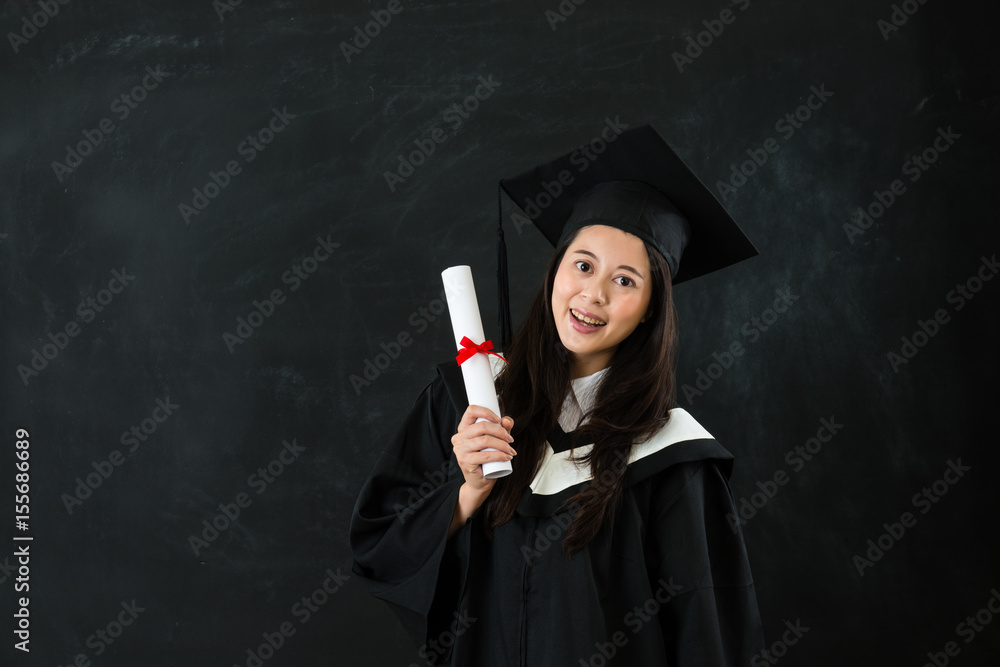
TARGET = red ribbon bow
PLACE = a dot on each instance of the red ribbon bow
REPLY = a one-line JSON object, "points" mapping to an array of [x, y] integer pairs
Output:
{"points": [[469, 349]]}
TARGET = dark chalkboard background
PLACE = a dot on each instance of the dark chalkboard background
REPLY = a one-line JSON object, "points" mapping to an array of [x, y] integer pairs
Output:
{"points": [[224, 73]]}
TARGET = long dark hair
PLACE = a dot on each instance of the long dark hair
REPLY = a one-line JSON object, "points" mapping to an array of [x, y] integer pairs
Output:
{"points": [[632, 402]]}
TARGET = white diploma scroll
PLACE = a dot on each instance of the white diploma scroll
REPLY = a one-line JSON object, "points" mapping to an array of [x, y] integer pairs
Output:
{"points": [[476, 371]]}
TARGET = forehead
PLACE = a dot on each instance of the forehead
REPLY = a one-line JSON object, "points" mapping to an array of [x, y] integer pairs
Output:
{"points": [[612, 244]]}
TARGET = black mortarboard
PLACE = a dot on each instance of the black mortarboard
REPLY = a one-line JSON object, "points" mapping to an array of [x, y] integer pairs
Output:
{"points": [[638, 184]]}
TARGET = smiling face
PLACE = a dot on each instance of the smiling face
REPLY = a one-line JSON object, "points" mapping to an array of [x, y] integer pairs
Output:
{"points": [[600, 294]]}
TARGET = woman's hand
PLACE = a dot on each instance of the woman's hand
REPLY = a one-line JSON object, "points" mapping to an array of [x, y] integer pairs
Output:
{"points": [[474, 437], [469, 445]]}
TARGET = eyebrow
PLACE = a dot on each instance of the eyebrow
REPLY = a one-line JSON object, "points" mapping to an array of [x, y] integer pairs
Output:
{"points": [[620, 266]]}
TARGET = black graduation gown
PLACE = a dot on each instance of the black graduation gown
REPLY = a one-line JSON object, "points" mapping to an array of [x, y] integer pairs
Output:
{"points": [[668, 584]]}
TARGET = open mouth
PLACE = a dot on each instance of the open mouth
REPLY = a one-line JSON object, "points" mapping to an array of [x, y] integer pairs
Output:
{"points": [[586, 321]]}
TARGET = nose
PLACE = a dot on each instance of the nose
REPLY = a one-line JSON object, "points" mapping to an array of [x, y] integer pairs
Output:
{"points": [[594, 291]]}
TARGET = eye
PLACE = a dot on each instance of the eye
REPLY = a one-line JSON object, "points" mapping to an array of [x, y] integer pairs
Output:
{"points": [[582, 265], [625, 281]]}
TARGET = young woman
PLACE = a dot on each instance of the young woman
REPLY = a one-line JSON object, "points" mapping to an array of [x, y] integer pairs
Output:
{"points": [[614, 541]]}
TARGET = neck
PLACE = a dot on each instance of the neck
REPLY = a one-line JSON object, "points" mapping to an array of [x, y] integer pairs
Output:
{"points": [[583, 367]]}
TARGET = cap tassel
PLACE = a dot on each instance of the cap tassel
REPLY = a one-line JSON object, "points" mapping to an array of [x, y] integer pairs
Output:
{"points": [[503, 288]]}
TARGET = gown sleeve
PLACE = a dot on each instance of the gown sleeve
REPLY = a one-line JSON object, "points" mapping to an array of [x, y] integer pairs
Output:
{"points": [[399, 528], [711, 618]]}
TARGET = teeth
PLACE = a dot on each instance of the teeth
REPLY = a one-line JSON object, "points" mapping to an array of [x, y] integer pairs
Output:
{"points": [[588, 320]]}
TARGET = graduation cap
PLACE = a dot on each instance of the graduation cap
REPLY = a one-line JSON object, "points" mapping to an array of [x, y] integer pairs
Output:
{"points": [[637, 184]]}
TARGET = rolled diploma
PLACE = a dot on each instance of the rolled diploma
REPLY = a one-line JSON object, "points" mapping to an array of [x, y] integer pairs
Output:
{"points": [[476, 371]]}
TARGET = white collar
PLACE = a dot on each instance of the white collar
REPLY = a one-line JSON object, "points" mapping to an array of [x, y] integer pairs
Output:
{"points": [[585, 389]]}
